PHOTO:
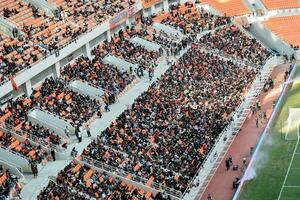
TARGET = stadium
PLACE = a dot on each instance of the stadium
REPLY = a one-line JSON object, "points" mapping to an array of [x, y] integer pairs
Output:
{"points": [[150, 99]]}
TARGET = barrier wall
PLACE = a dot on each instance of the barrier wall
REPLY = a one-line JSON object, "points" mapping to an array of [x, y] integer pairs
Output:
{"points": [[121, 64], [52, 122], [12, 168], [269, 38], [86, 89], [151, 46], [15, 159]]}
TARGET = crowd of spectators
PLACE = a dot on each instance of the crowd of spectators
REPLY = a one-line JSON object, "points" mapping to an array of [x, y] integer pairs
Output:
{"points": [[15, 116], [43, 34], [231, 41], [190, 20], [7, 182], [120, 46], [171, 45], [55, 191], [90, 13], [56, 98], [98, 74], [26, 148], [170, 128], [80, 181]]}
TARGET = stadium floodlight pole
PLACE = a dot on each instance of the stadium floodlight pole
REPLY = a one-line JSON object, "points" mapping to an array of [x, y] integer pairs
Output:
{"points": [[266, 130]]}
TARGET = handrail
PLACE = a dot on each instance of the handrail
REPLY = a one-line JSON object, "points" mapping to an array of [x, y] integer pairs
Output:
{"points": [[32, 138], [50, 113], [14, 152], [52, 179], [10, 165], [122, 173]]}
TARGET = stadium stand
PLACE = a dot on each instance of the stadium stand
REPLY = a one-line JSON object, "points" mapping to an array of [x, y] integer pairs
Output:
{"points": [[229, 40], [15, 116], [54, 97], [43, 34], [281, 4], [121, 47], [54, 191], [286, 28], [89, 14], [170, 129], [31, 152], [143, 141], [150, 122], [229, 7], [80, 180], [190, 20], [99, 75]]}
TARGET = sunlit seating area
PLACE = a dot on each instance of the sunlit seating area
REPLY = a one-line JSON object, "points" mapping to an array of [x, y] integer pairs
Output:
{"points": [[281, 4], [87, 183], [230, 41], [286, 28], [229, 7]]}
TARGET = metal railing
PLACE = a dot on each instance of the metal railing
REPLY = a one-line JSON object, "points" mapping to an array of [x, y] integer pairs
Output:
{"points": [[135, 178], [72, 190], [14, 152], [25, 135]]}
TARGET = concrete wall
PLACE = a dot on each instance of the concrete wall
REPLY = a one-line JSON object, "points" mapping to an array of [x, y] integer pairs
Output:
{"points": [[12, 168], [16, 160], [269, 38]]}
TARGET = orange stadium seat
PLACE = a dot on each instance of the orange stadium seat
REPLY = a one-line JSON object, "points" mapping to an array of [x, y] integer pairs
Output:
{"points": [[229, 7], [280, 4], [287, 28]]}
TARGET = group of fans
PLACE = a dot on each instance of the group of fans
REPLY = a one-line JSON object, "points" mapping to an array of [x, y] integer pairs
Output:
{"points": [[169, 130], [41, 33]]}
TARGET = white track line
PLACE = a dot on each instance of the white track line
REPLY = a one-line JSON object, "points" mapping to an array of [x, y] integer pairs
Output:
{"points": [[292, 186], [288, 171]]}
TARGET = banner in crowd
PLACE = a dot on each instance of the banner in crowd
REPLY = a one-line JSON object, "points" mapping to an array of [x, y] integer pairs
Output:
{"points": [[132, 10], [13, 83], [118, 19], [149, 3]]}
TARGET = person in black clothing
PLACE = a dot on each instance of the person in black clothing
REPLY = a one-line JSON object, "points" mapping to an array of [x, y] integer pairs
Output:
{"points": [[227, 163], [88, 131], [53, 154]]}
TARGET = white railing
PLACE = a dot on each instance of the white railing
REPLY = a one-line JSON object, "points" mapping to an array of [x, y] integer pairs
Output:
{"points": [[135, 178], [33, 138], [72, 190], [14, 152]]}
